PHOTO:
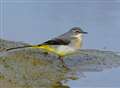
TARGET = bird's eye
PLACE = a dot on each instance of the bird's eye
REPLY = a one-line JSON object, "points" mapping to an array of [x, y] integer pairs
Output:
{"points": [[76, 32]]}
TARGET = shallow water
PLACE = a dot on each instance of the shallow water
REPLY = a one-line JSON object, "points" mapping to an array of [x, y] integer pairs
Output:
{"points": [[31, 68]]}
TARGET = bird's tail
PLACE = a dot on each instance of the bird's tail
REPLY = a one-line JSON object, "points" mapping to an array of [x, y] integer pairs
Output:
{"points": [[27, 46]]}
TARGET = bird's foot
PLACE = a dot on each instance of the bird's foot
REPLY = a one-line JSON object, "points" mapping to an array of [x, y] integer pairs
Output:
{"points": [[63, 63]]}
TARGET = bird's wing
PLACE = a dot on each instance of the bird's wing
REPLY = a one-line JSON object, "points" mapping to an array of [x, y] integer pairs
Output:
{"points": [[56, 41], [93, 60], [49, 42]]}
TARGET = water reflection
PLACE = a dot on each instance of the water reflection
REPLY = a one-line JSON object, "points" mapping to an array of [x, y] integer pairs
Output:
{"points": [[30, 68]]}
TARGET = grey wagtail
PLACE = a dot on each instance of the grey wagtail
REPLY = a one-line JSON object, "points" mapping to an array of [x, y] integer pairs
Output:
{"points": [[62, 45]]}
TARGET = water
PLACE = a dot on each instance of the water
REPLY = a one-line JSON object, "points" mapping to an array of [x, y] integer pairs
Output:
{"points": [[31, 68], [37, 21]]}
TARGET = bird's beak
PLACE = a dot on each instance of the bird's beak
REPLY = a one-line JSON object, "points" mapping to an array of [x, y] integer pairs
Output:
{"points": [[84, 32]]}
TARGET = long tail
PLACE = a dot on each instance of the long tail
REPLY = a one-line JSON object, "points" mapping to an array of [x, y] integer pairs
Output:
{"points": [[27, 46]]}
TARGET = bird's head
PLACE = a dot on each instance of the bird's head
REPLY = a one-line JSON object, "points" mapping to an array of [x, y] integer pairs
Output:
{"points": [[76, 32], [74, 36]]}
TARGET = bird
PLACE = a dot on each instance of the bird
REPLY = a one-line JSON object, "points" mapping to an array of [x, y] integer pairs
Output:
{"points": [[61, 45]]}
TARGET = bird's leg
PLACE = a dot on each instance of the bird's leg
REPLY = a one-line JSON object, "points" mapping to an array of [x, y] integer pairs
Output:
{"points": [[45, 53], [61, 59]]}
